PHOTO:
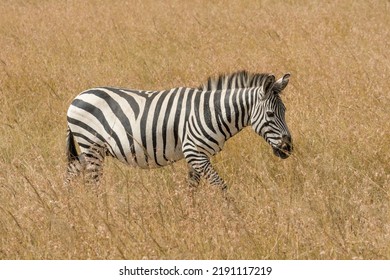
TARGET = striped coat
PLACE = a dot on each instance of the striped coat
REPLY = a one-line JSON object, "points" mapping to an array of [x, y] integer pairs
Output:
{"points": [[155, 128]]}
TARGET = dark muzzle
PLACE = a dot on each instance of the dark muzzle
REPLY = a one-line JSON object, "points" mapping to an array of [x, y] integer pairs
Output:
{"points": [[285, 148]]}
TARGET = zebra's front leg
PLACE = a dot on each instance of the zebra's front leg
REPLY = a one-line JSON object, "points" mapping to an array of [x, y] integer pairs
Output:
{"points": [[193, 177], [200, 165], [212, 176]]}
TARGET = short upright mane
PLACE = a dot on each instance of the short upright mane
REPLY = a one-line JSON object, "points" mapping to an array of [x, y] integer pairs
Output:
{"points": [[240, 79]]}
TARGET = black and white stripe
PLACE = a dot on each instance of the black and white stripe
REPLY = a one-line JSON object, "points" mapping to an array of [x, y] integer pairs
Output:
{"points": [[156, 128]]}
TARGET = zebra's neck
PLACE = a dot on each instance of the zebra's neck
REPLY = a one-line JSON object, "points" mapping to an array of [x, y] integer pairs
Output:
{"points": [[234, 109]]}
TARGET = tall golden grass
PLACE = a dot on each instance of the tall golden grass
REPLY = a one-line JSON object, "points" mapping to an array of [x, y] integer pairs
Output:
{"points": [[329, 200]]}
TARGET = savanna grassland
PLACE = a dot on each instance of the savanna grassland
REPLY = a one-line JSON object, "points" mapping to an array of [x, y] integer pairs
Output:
{"points": [[329, 200]]}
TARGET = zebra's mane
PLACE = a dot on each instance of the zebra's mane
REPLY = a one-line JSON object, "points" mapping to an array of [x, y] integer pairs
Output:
{"points": [[239, 79]]}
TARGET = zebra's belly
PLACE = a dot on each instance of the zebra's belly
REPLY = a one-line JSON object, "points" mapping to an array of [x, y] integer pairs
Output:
{"points": [[146, 160]]}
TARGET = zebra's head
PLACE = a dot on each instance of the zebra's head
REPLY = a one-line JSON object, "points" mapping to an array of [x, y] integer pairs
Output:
{"points": [[268, 118]]}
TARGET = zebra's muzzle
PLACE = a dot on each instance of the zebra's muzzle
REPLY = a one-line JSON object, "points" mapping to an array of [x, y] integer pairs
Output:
{"points": [[285, 148]]}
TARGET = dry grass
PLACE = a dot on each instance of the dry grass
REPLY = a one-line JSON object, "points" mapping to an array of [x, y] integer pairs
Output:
{"points": [[328, 201]]}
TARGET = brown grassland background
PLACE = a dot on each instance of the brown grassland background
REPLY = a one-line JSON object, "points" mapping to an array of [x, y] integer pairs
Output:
{"points": [[329, 200]]}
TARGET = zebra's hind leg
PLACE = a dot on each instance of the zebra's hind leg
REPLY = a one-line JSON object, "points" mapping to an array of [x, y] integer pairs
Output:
{"points": [[74, 169], [93, 160]]}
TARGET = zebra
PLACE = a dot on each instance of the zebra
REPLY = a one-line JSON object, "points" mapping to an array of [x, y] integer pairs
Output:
{"points": [[152, 129]]}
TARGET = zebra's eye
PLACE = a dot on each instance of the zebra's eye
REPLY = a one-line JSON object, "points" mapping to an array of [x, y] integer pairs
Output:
{"points": [[270, 114]]}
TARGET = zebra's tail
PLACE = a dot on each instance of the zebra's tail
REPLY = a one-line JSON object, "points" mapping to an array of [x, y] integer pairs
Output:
{"points": [[71, 151], [74, 165]]}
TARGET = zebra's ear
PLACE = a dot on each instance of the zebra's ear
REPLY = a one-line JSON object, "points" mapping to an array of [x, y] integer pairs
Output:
{"points": [[269, 83], [280, 84]]}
